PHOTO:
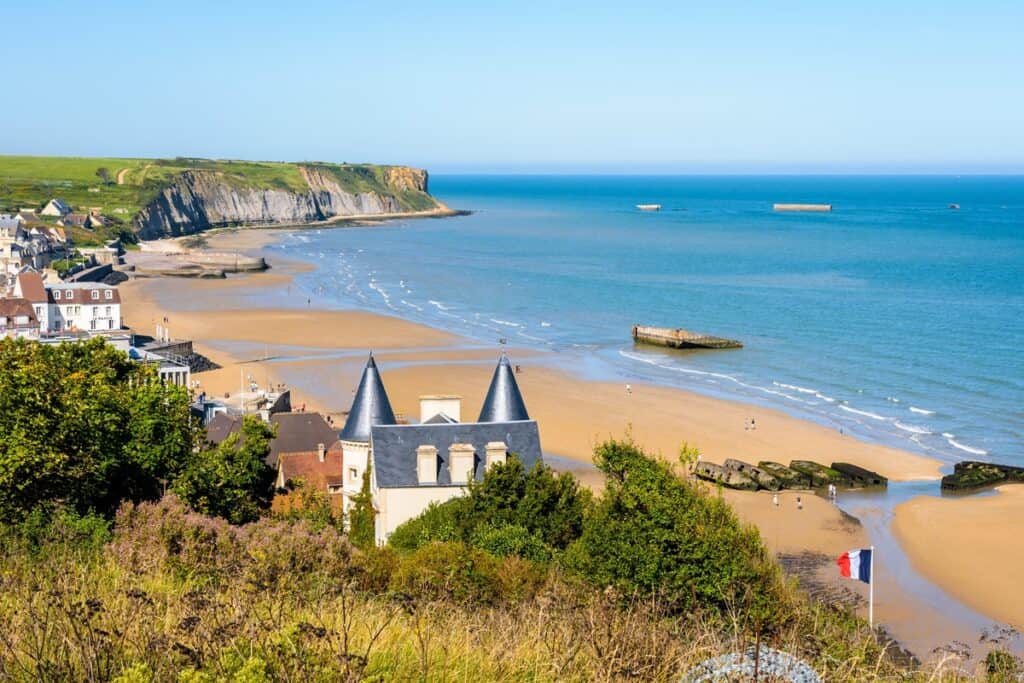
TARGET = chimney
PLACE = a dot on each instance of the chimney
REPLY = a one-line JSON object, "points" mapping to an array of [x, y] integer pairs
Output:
{"points": [[321, 452], [434, 404], [461, 462], [426, 464], [497, 452]]}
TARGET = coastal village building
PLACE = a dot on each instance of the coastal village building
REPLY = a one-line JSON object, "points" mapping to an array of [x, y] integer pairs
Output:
{"points": [[318, 470], [85, 306], [17, 319], [413, 466], [29, 286], [306, 449], [55, 207]]}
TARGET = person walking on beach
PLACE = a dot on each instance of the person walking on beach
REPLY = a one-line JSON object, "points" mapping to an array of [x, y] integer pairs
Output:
{"points": [[629, 389], [799, 503], [775, 499]]}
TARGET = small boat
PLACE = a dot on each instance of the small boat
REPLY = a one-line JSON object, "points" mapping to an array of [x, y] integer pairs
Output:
{"points": [[649, 207], [954, 206]]}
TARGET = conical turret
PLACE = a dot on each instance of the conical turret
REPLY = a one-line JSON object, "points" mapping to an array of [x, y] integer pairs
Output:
{"points": [[370, 407], [504, 403]]}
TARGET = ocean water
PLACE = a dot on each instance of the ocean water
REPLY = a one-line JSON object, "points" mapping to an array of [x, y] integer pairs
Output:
{"points": [[894, 318]]}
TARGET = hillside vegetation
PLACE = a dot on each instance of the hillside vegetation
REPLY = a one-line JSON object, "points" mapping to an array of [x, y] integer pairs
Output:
{"points": [[131, 550], [120, 188]]}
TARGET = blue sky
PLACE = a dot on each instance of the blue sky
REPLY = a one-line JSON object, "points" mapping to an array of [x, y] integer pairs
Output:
{"points": [[529, 86]]}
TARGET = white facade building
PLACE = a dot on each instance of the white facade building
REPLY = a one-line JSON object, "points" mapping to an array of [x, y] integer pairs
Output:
{"points": [[83, 307]]}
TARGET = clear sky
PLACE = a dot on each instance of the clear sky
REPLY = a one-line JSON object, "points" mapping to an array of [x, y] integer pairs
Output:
{"points": [[872, 85]]}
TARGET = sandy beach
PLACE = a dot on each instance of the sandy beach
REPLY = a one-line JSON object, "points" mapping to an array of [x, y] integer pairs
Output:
{"points": [[966, 546], [320, 353]]}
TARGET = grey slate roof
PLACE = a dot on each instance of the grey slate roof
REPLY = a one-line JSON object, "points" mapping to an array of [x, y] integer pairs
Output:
{"points": [[394, 448], [370, 407], [299, 433], [504, 403], [296, 432]]}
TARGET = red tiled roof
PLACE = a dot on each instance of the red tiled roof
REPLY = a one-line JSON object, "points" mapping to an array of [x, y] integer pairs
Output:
{"points": [[83, 294], [32, 288], [11, 308], [305, 466]]}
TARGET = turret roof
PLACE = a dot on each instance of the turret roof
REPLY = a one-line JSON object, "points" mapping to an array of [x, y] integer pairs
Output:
{"points": [[504, 403], [370, 407]]}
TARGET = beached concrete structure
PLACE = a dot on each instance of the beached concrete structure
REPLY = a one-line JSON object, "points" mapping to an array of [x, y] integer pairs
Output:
{"points": [[431, 462]]}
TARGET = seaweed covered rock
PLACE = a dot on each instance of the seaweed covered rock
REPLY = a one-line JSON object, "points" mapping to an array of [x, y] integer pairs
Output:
{"points": [[972, 474], [819, 475], [787, 476], [764, 479], [859, 476], [732, 479]]}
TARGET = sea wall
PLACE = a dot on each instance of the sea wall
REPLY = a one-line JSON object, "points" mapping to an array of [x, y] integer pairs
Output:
{"points": [[197, 200]]}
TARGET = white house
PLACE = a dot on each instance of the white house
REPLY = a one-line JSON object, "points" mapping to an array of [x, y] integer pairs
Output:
{"points": [[83, 306], [55, 207]]}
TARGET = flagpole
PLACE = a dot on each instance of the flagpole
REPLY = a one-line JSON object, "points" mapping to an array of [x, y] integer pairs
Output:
{"points": [[871, 591]]}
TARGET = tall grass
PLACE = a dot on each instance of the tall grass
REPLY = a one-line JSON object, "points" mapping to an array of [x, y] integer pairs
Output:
{"points": [[175, 596]]}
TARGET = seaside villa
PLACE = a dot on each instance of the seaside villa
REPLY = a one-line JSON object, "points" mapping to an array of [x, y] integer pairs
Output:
{"points": [[415, 465]]}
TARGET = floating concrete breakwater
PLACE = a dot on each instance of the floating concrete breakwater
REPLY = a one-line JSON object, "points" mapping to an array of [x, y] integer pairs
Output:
{"points": [[799, 475], [823, 208], [681, 339], [972, 474]]}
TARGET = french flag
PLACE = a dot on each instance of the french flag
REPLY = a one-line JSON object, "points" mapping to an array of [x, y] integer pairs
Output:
{"points": [[856, 564]]}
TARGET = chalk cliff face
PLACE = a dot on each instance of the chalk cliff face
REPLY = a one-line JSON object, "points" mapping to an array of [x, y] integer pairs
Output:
{"points": [[197, 200]]}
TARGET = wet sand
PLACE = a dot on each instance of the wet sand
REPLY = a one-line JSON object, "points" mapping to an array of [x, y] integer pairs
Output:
{"points": [[971, 547]]}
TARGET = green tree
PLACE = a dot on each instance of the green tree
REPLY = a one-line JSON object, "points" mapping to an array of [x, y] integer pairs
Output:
{"points": [[653, 533], [497, 511], [548, 505], [103, 173], [84, 426], [362, 517], [231, 479]]}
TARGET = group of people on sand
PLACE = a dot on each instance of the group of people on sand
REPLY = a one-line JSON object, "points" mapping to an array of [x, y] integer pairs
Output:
{"points": [[833, 492]]}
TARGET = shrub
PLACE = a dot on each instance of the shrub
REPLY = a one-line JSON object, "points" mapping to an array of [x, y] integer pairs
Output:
{"points": [[511, 541], [653, 533], [439, 522], [232, 479], [544, 513]]}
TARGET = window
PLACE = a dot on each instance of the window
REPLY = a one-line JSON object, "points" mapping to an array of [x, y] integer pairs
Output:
{"points": [[95, 294], [108, 294], [56, 294], [352, 474], [110, 324], [68, 295], [95, 311], [92, 324], [106, 311]]}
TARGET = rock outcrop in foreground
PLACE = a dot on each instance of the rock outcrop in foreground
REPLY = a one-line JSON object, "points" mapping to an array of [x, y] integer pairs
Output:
{"points": [[199, 199]]}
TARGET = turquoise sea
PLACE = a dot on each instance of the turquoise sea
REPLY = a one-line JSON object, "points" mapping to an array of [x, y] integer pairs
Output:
{"points": [[894, 318]]}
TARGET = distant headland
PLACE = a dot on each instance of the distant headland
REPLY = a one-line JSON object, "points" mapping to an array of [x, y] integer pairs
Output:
{"points": [[154, 198]]}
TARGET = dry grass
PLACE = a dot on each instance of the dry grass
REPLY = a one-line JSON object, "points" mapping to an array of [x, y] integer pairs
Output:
{"points": [[175, 592]]}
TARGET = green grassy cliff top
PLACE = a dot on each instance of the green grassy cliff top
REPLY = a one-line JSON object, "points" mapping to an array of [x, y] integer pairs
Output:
{"points": [[119, 188]]}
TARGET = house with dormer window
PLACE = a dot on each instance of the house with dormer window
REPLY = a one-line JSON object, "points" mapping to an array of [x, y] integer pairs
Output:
{"points": [[414, 465]]}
